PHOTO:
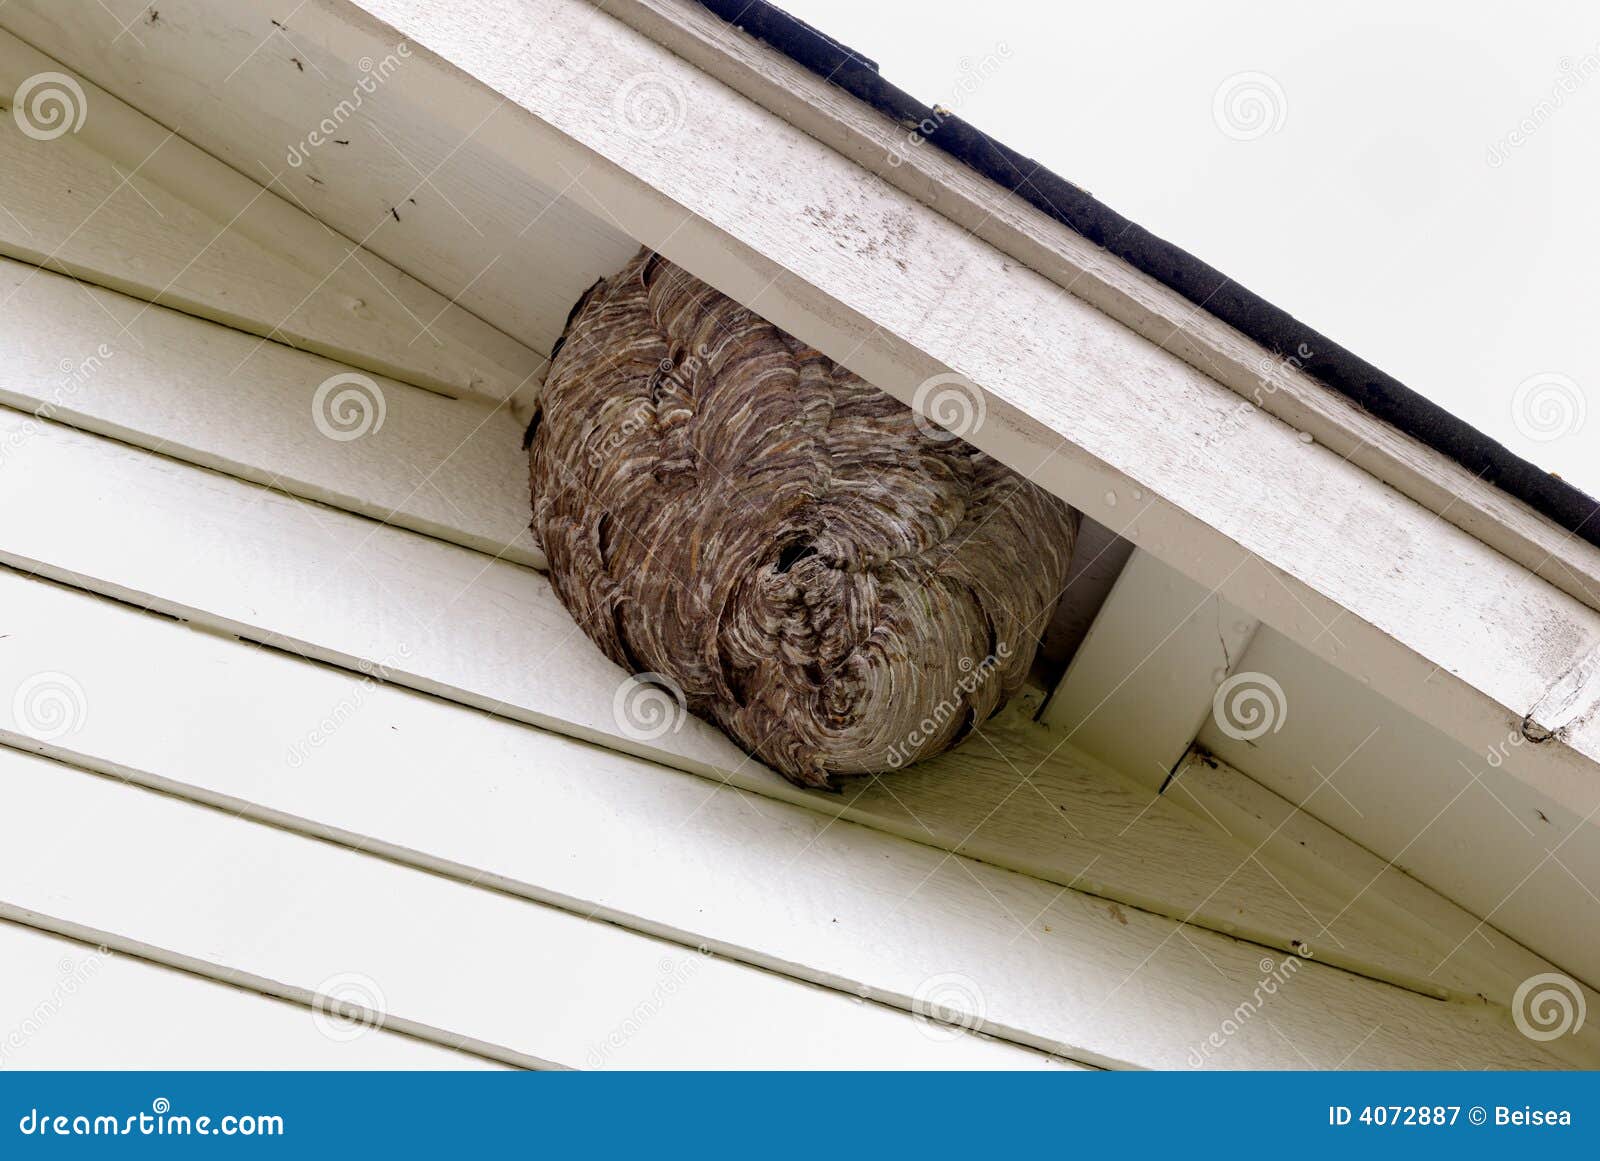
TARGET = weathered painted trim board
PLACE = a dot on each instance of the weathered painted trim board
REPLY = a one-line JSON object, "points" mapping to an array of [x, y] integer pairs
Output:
{"points": [[894, 155]]}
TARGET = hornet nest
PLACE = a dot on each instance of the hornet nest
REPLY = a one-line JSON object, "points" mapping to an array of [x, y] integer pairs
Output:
{"points": [[839, 585]]}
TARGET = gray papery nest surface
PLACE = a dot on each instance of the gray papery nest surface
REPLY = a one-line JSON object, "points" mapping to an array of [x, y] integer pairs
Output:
{"points": [[840, 586]]}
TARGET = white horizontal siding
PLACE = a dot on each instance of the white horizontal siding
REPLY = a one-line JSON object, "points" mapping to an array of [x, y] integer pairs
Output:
{"points": [[496, 805], [442, 960], [71, 1005], [194, 390], [492, 635]]}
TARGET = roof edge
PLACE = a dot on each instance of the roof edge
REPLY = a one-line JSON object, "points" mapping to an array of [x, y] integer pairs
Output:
{"points": [[1207, 288]]}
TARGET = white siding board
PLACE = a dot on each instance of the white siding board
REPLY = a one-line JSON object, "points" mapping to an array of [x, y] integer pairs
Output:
{"points": [[1292, 836], [604, 835], [492, 635], [528, 984], [1022, 798], [204, 393], [385, 743], [73, 1006], [125, 203], [264, 908]]}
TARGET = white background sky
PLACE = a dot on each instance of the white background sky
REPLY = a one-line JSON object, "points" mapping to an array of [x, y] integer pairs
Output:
{"points": [[1372, 213]]}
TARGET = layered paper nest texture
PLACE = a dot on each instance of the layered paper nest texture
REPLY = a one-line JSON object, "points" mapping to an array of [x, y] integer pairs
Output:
{"points": [[840, 585]]}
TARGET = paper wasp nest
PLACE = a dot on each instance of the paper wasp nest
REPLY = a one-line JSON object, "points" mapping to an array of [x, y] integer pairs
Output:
{"points": [[841, 586]]}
